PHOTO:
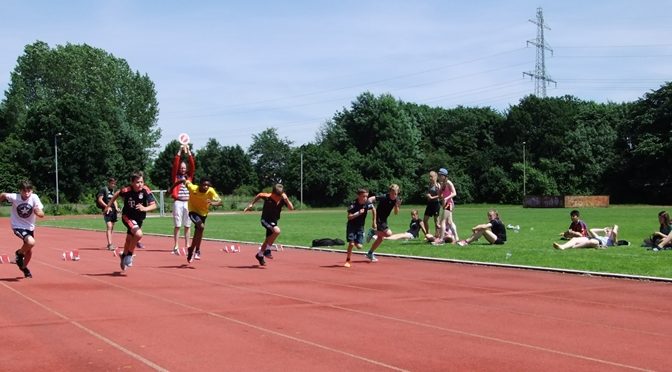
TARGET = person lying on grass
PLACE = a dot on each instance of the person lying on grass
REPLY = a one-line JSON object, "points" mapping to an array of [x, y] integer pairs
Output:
{"points": [[597, 238]]}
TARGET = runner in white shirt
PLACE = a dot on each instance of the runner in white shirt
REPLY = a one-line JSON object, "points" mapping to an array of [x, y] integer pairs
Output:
{"points": [[25, 206]]}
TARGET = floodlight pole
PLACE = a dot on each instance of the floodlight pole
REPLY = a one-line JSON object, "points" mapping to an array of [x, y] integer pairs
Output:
{"points": [[524, 174], [301, 206], [56, 161]]}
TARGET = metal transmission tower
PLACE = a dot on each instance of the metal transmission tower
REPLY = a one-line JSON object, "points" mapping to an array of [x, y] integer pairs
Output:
{"points": [[539, 74]]}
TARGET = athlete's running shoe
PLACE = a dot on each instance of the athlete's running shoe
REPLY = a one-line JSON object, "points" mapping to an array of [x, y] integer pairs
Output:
{"points": [[121, 262], [260, 258], [370, 234], [346, 264], [371, 257], [190, 254], [26, 273], [268, 253], [139, 245], [128, 260], [197, 254], [19, 259]]}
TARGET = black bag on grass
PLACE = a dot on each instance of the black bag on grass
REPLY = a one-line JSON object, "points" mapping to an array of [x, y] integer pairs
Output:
{"points": [[326, 242]]}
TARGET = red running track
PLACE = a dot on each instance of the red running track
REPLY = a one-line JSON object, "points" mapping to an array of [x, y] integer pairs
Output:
{"points": [[304, 312]]}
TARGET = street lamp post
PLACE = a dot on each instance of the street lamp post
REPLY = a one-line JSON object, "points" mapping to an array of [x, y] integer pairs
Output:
{"points": [[56, 161], [524, 174]]}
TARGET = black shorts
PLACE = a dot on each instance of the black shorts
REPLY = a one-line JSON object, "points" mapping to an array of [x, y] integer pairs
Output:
{"points": [[354, 234], [432, 209], [269, 226], [110, 217], [23, 233], [382, 226], [131, 225], [197, 218]]}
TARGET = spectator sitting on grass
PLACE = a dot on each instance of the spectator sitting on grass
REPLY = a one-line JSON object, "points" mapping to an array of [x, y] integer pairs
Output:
{"points": [[662, 233], [494, 231], [447, 238], [577, 228], [598, 238], [413, 228]]}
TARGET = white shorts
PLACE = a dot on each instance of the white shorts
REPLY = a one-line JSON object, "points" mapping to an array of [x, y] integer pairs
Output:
{"points": [[181, 214]]}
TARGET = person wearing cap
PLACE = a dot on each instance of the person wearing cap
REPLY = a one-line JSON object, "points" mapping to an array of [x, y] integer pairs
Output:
{"points": [[446, 196]]}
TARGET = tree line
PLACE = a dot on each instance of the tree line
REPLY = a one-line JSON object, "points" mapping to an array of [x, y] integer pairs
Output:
{"points": [[106, 115]]}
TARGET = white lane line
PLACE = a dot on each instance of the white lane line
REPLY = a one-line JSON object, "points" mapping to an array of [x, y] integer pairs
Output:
{"points": [[220, 316], [375, 315], [426, 325], [93, 333]]}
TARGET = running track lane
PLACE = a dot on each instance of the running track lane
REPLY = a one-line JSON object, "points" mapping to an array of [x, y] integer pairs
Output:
{"points": [[304, 312]]}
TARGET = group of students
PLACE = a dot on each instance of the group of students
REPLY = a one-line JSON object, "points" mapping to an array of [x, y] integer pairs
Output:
{"points": [[191, 205], [578, 235], [440, 206]]}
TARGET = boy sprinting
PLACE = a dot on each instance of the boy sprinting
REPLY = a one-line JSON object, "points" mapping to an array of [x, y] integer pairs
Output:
{"points": [[354, 230], [386, 204], [270, 214], [138, 200], [25, 206], [201, 197]]}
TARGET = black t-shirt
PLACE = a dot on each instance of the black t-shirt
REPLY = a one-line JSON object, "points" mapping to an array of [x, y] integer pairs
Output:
{"points": [[107, 194], [273, 204], [498, 229], [414, 227], [385, 207], [133, 198], [358, 222], [433, 191]]}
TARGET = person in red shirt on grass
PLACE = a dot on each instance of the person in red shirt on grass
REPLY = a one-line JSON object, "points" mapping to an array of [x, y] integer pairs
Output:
{"points": [[577, 228]]}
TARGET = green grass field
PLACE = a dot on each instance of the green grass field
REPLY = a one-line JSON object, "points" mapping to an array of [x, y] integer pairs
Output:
{"points": [[530, 246]]}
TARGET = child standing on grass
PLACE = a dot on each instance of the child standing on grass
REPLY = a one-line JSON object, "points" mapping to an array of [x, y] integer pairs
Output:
{"points": [[138, 200], [25, 206], [201, 197], [270, 214], [386, 204], [447, 194], [354, 230], [433, 207]]}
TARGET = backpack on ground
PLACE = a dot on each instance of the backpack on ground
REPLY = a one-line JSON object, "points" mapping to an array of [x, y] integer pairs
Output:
{"points": [[327, 242]]}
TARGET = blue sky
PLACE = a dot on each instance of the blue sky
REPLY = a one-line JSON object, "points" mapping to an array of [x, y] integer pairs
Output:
{"points": [[228, 70]]}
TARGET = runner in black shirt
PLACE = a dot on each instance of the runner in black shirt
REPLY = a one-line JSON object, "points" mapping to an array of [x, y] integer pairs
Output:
{"points": [[386, 204]]}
